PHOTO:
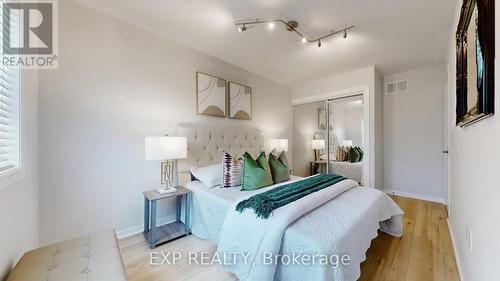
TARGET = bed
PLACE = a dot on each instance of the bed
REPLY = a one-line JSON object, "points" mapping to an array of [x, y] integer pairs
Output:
{"points": [[343, 225], [345, 168]]}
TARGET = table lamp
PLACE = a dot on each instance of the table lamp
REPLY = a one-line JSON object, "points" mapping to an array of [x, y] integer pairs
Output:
{"points": [[317, 145], [347, 143], [168, 150], [278, 145]]}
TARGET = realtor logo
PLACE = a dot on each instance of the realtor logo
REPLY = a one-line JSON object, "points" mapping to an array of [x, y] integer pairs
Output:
{"points": [[29, 34]]}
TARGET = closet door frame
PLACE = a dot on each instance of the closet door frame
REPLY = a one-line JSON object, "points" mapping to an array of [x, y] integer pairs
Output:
{"points": [[369, 127]]}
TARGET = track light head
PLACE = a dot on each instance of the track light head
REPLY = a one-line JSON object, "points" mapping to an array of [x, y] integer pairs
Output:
{"points": [[242, 28], [319, 43], [345, 33], [291, 25]]}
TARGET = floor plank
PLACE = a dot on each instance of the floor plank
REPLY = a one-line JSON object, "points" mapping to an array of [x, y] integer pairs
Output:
{"points": [[424, 253]]}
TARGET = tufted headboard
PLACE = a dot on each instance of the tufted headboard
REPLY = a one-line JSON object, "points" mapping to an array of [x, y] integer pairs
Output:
{"points": [[205, 144]]}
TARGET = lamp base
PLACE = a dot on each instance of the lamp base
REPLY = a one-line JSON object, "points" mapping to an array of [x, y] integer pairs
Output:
{"points": [[169, 173], [166, 190]]}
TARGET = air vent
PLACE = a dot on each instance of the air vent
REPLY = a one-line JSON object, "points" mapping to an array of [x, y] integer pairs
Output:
{"points": [[397, 87]]}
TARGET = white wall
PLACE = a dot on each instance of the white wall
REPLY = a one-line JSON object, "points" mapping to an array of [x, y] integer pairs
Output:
{"points": [[339, 121], [331, 84], [475, 178], [369, 76], [413, 134], [19, 200], [377, 122], [115, 85], [353, 125]]}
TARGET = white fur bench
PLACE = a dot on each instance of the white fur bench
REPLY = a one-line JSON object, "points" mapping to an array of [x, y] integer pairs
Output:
{"points": [[93, 257]]}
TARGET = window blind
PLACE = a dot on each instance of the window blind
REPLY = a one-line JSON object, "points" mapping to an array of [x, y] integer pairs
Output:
{"points": [[9, 100]]}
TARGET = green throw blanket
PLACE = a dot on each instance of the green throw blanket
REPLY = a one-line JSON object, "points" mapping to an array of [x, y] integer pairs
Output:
{"points": [[265, 203]]}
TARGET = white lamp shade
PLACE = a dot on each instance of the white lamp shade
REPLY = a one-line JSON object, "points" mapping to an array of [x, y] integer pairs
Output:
{"points": [[166, 148], [318, 144], [347, 143], [278, 144]]}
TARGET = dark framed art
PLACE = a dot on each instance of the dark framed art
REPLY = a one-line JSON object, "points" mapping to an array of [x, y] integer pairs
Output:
{"points": [[475, 46]]}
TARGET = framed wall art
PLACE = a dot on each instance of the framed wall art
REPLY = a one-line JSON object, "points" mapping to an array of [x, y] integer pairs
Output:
{"points": [[211, 95], [240, 101]]}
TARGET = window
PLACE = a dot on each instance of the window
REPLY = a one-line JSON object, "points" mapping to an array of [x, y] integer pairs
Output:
{"points": [[10, 148], [9, 119]]}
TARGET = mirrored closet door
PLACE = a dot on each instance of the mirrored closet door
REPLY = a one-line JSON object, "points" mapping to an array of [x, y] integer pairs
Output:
{"points": [[329, 137]]}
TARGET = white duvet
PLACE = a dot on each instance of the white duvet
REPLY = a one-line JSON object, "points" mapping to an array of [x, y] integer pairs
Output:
{"points": [[344, 225]]}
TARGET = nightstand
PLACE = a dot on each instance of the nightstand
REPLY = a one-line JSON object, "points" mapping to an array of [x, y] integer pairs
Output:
{"points": [[156, 235], [314, 166]]}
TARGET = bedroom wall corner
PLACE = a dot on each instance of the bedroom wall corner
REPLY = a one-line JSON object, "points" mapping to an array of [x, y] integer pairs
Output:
{"points": [[378, 163]]}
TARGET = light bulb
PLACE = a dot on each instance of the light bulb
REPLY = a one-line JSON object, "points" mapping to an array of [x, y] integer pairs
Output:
{"points": [[271, 25], [303, 40]]}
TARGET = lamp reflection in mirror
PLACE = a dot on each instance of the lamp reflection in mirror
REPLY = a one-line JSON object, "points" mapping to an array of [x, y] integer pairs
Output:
{"points": [[278, 145], [347, 143], [168, 150], [317, 145]]}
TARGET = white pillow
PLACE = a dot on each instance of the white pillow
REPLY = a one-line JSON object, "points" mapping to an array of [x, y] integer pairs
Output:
{"points": [[209, 175]]}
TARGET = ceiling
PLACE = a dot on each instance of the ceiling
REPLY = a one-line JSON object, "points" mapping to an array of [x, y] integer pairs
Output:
{"points": [[394, 35]]}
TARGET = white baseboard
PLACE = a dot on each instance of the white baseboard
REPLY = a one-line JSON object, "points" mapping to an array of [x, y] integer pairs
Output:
{"points": [[460, 267], [129, 231], [415, 196]]}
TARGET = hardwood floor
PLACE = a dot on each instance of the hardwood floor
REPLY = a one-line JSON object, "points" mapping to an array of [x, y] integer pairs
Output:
{"points": [[424, 253]]}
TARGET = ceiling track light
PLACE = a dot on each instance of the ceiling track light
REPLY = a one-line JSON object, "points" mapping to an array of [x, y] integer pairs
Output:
{"points": [[292, 27]]}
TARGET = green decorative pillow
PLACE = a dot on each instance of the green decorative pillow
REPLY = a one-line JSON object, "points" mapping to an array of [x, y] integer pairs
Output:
{"points": [[279, 167], [256, 173], [361, 153], [353, 155]]}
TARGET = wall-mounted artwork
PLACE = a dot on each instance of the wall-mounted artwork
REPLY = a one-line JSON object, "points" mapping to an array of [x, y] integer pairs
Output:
{"points": [[240, 101], [211, 95], [475, 61], [322, 119]]}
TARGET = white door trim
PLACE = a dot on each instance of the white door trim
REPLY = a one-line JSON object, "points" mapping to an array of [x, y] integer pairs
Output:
{"points": [[365, 89]]}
